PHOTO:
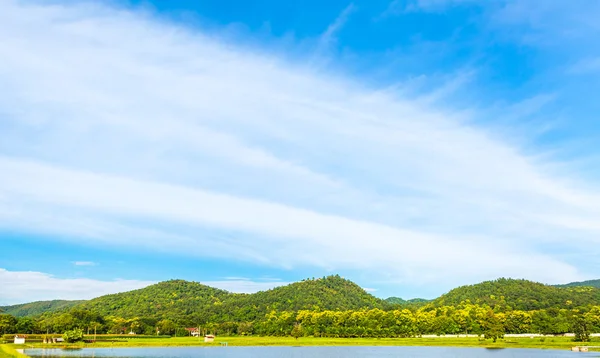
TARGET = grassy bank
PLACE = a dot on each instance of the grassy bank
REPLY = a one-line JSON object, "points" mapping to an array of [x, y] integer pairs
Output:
{"points": [[7, 351], [547, 343]]}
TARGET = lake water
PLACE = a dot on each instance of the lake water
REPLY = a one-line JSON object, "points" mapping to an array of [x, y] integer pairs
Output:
{"points": [[305, 352]]}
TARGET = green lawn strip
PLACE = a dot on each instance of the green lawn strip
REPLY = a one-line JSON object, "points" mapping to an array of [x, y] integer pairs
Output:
{"points": [[564, 343], [6, 351]]}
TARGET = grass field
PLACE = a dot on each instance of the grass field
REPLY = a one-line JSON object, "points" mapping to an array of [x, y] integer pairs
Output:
{"points": [[6, 351], [548, 343]]}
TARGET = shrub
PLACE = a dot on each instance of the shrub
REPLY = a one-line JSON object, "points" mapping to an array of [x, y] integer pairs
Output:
{"points": [[75, 335]]}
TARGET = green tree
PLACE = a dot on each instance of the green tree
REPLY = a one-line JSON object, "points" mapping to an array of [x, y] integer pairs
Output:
{"points": [[75, 335], [7, 324], [581, 329], [297, 330], [166, 326], [25, 325], [492, 326]]}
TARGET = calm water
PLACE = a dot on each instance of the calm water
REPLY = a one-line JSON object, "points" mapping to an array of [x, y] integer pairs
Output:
{"points": [[304, 352]]}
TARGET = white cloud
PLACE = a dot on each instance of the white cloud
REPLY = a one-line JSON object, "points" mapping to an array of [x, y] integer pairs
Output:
{"points": [[329, 37], [29, 286], [586, 66], [402, 6], [116, 125], [84, 263]]}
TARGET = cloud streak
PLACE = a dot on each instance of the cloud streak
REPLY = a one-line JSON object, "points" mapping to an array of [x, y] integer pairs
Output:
{"points": [[28, 286], [84, 263], [118, 125]]}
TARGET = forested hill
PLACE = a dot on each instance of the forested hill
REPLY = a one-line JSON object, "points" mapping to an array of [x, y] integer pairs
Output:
{"points": [[36, 308], [403, 302], [590, 283], [329, 293], [194, 302], [511, 294], [175, 298], [186, 301]]}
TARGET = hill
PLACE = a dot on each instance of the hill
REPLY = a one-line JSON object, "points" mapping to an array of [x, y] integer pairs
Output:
{"points": [[170, 299], [507, 294], [37, 308], [589, 283], [395, 301], [403, 302], [329, 293], [193, 302]]}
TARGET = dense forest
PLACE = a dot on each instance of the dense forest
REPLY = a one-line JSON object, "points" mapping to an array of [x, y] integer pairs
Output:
{"points": [[37, 308], [590, 283], [329, 306]]}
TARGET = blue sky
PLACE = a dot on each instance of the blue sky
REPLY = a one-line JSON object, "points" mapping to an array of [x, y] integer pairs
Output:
{"points": [[410, 146]]}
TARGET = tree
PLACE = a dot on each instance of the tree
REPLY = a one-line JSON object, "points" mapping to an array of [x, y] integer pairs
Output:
{"points": [[75, 335], [7, 324], [166, 327], [492, 326], [297, 330], [25, 325], [581, 329]]}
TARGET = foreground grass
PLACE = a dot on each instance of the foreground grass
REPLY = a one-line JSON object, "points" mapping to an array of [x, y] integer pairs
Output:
{"points": [[547, 343], [6, 351]]}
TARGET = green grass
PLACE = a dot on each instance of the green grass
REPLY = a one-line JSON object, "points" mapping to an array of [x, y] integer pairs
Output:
{"points": [[6, 351], [549, 343]]}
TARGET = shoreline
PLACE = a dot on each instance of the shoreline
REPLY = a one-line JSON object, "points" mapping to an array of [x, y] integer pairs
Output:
{"points": [[558, 343]]}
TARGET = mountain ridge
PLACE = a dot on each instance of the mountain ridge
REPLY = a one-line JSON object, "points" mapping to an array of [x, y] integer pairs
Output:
{"points": [[35, 308], [327, 293]]}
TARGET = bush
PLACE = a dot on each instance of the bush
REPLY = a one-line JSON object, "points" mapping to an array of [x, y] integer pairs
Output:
{"points": [[75, 335]]}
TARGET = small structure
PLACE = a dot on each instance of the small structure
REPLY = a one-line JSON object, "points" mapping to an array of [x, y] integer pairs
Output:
{"points": [[193, 331], [209, 338], [131, 333], [19, 339]]}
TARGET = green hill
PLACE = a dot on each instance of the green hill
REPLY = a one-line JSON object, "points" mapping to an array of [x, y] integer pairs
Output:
{"points": [[589, 283], [328, 293], [403, 302], [170, 299], [507, 294], [37, 308], [395, 301], [196, 303]]}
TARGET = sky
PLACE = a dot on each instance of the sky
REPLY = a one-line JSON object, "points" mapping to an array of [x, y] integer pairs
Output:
{"points": [[408, 145]]}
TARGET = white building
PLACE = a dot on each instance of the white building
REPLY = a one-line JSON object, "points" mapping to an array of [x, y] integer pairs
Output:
{"points": [[19, 339]]}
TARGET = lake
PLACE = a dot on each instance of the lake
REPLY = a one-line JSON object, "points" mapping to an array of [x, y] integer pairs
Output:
{"points": [[304, 352]]}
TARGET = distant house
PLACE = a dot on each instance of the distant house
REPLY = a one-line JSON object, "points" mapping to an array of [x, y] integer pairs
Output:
{"points": [[19, 339], [209, 338], [193, 331]]}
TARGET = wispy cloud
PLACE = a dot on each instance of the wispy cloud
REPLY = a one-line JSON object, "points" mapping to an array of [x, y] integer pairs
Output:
{"points": [[117, 124], [586, 66], [329, 37], [396, 7], [28, 286], [84, 263]]}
